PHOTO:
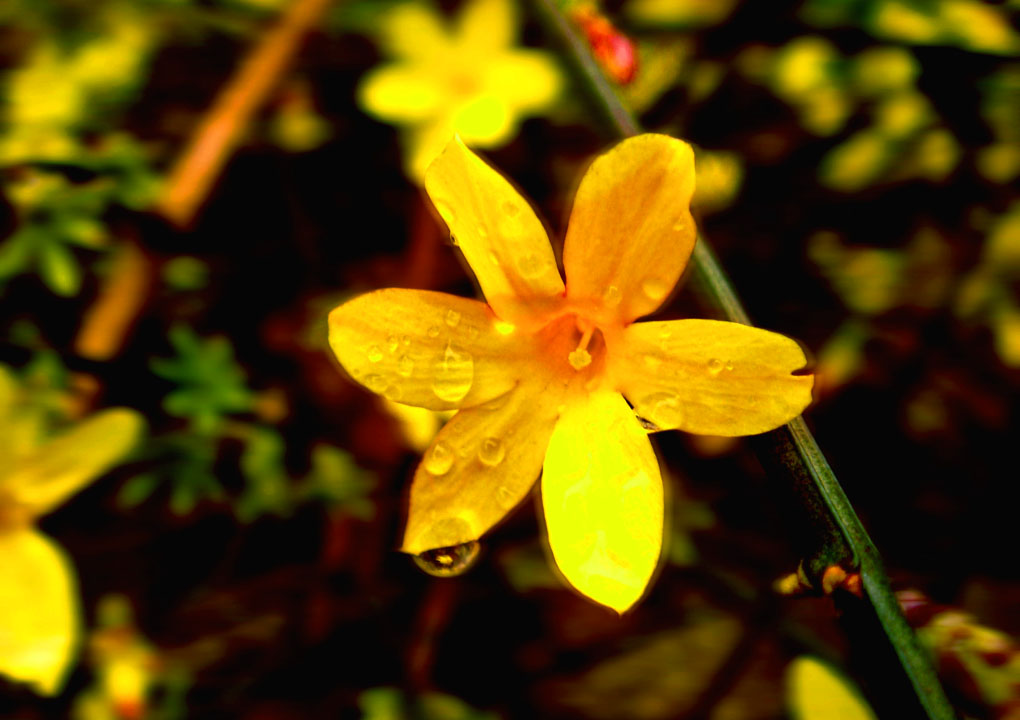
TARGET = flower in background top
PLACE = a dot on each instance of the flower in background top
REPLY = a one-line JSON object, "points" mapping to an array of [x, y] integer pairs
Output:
{"points": [[542, 373], [39, 617], [464, 77]]}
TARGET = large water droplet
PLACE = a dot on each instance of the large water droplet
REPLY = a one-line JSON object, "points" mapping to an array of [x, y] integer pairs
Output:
{"points": [[530, 266], [505, 496], [663, 409], [449, 561], [655, 288], [612, 296], [445, 211], [453, 240], [453, 374], [405, 366], [376, 383], [492, 451], [729, 365], [715, 366], [452, 318], [439, 459], [374, 354], [433, 331], [392, 343]]}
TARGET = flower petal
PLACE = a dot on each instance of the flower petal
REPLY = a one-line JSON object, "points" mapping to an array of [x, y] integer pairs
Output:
{"points": [[401, 93], [487, 26], [631, 233], [527, 80], [425, 348], [414, 31], [602, 496], [498, 232], [65, 464], [482, 463], [711, 377], [39, 617]]}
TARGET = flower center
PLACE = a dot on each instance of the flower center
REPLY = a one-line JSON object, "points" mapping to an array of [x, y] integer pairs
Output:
{"points": [[580, 358], [574, 347]]}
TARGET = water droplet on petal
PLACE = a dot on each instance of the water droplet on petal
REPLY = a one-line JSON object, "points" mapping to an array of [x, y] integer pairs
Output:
{"points": [[482, 232], [449, 561], [505, 497], [655, 288], [453, 374], [715, 366], [511, 209], [393, 392], [530, 266], [472, 332], [392, 343], [663, 409], [491, 452], [612, 296], [453, 240], [452, 318], [439, 459], [405, 366], [504, 328], [433, 331], [678, 226], [405, 341], [729, 365], [374, 353], [445, 211], [376, 383]]}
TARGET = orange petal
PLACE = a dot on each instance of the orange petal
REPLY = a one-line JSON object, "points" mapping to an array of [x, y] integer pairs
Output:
{"points": [[711, 377], [631, 233], [482, 463], [501, 237], [602, 497], [425, 348]]}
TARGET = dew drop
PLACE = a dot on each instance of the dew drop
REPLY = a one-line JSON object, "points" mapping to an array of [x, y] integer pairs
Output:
{"points": [[453, 374], [511, 209], [376, 383], [449, 561], [493, 259], [715, 366], [678, 226], [405, 366], [453, 240], [433, 331], [655, 288], [663, 409], [439, 459], [405, 341], [472, 332], [530, 266], [482, 232], [445, 212], [505, 496], [612, 296], [393, 392], [452, 318], [491, 452], [729, 365], [374, 354], [392, 343]]}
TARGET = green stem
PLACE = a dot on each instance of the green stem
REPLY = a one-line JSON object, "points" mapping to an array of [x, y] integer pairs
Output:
{"points": [[791, 448]]}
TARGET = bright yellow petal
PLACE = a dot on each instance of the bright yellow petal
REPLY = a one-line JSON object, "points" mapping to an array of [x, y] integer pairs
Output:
{"points": [[528, 80], [424, 348], [401, 93], [487, 26], [602, 496], [423, 143], [483, 462], [65, 464], [498, 232], [711, 377], [631, 233], [414, 31], [817, 692], [39, 617], [484, 120]]}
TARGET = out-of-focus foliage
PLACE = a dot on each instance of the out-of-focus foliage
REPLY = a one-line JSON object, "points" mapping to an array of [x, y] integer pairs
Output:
{"points": [[386, 703]]}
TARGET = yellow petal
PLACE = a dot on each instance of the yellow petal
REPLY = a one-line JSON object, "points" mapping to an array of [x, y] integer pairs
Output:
{"points": [[483, 462], [39, 617], [498, 232], [528, 80], [817, 692], [602, 496], [711, 377], [487, 26], [401, 93], [485, 120], [64, 465], [423, 143], [631, 233], [424, 348], [414, 31]]}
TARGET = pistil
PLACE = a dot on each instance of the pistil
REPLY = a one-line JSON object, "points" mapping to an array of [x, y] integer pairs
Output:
{"points": [[580, 358]]}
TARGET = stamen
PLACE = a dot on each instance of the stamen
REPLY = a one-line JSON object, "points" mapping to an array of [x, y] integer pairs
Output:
{"points": [[581, 358]]}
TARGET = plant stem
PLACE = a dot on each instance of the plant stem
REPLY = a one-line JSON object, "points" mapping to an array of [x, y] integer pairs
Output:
{"points": [[790, 449]]}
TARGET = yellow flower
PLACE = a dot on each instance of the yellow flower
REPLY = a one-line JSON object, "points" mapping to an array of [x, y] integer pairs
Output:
{"points": [[465, 77], [540, 374], [39, 616]]}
